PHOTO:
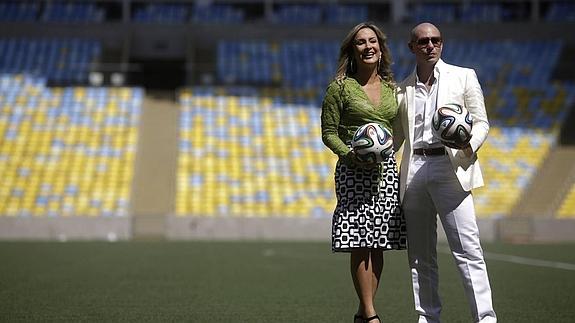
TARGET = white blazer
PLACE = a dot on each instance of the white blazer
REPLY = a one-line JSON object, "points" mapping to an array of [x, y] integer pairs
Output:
{"points": [[456, 85]]}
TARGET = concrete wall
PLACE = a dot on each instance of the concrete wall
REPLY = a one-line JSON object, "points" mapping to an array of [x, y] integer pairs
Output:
{"points": [[513, 230], [63, 229]]}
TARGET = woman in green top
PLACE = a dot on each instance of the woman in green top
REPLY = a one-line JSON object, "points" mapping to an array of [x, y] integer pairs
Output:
{"points": [[367, 219]]}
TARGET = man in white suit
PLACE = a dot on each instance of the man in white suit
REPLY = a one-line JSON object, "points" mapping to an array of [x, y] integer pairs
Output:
{"points": [[437, 180]]}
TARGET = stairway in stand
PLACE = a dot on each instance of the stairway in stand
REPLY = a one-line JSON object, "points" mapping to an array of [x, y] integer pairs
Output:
{"points": [[549, 186], [153, 192]]}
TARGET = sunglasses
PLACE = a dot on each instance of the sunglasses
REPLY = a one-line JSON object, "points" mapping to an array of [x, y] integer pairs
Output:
{"points": [[436, 41]]}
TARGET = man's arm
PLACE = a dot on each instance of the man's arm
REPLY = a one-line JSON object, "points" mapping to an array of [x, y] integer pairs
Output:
{"points": [[475, 103]]}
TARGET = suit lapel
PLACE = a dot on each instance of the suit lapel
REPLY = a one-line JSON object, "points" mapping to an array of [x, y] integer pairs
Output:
{"points": [[442, 85], [442, 96], [410, 98]]}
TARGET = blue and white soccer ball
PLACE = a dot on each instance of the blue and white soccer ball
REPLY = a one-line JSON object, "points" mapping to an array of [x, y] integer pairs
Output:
{"points": [[372, 143], [452, 124]]}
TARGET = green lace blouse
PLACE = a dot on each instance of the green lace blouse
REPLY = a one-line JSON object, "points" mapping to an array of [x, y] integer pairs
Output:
{"points": [[346, 107]]}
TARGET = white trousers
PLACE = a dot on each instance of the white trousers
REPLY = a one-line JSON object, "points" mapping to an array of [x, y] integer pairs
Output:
{"points": [[434, 189]]}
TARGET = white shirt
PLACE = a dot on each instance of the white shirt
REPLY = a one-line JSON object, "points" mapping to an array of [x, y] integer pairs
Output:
{"points": [[425, 106]]}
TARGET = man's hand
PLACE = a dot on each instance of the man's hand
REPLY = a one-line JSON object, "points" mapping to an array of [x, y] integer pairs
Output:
{"points": [[466, 148]]}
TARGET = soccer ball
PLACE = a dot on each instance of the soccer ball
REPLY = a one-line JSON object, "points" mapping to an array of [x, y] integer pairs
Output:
{"points": [[372, 143], [452, 124]]}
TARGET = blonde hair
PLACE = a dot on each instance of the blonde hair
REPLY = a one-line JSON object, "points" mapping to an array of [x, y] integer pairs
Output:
{"points": [[346, 62]]}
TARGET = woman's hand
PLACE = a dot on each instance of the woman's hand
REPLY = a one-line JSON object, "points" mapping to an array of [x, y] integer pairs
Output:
{"points": [[352, 158]]}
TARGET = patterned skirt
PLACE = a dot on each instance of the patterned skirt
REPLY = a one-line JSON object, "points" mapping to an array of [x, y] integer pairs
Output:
{"points": [[368, 213]]}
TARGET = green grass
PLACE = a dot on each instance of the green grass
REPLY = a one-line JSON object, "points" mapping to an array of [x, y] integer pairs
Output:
{"points": [[252, 282]]}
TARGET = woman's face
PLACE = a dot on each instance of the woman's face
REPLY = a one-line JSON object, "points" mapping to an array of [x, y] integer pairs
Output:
{"points": [[366, 47]]}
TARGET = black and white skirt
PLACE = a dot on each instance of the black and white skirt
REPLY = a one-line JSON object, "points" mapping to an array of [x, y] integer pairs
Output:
{"points": [[368, 213]]}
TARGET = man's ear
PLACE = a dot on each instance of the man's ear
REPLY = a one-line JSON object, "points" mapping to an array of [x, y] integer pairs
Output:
{"points": [[410, 46]]}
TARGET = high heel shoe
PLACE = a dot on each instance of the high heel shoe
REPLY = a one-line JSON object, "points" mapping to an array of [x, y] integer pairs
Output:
{"points": [[371, 318], [358, 317]]}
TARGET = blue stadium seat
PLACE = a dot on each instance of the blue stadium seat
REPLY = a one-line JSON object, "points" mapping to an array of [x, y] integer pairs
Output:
{"points": [[297, 14], [59, 60], [216, 13], [19, 11], [561, 11], [72, 12], [161, 13], [346, 14]]}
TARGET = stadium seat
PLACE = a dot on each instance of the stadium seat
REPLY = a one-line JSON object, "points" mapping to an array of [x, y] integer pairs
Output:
{"points": [[560, 11], [61, 11], [567, 208], [297, 14], [66, 151], [524, 106], [58, 60], [19, 11], [216, 14], [251, 156], [161, 13]]}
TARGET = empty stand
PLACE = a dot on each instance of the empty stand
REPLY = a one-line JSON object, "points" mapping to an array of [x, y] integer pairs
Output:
{"points": [[247, 156], [19, 11], [296, 13], [66, 151], [76, 12], [525, 107], [62, 61], [160, 13], [560, 11], [567, 209]]}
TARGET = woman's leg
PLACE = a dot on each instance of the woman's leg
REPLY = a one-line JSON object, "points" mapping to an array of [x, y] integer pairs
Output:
{"points": [[376, 257], [366, 267]]}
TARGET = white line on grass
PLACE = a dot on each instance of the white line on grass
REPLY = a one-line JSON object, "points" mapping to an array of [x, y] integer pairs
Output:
{"points": [[523, 260]]}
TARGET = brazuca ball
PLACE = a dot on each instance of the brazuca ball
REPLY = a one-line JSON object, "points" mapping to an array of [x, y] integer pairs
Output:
{"points": [[452, 123], [372, 143]]}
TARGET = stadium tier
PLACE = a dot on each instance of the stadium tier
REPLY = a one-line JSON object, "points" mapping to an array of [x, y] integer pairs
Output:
{"points": [[305, 64], [206, 13], [509, 159], [160, 13], [438, 12], [482, 12], [300, 12], [225, 144], [567, 209], [346, 14], [67, 11], [248, 150], [66, 151], [295, 64], [59, 60], [19, 11], [516, 76], [216, 13], [248, 156], [560, 11], [254, 154]]}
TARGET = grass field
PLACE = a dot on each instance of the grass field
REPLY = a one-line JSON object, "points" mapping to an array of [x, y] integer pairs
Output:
{"points": [[254, 282]]}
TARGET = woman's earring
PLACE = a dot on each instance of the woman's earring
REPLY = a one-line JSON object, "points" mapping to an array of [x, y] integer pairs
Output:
{"points": [[351, 67]]}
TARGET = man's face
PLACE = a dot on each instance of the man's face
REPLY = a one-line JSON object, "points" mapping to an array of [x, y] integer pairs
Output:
{"points": [[426, 45]]}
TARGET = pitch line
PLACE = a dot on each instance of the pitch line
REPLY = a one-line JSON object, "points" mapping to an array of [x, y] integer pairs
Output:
{"points": [[523, 260], [529, 261]]}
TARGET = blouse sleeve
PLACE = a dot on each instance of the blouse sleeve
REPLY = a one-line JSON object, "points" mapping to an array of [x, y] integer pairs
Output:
{"points": [[331, 111]]}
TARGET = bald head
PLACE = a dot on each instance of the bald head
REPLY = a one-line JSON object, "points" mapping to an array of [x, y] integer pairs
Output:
{"points": [[426, 43], [423, 28]]}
